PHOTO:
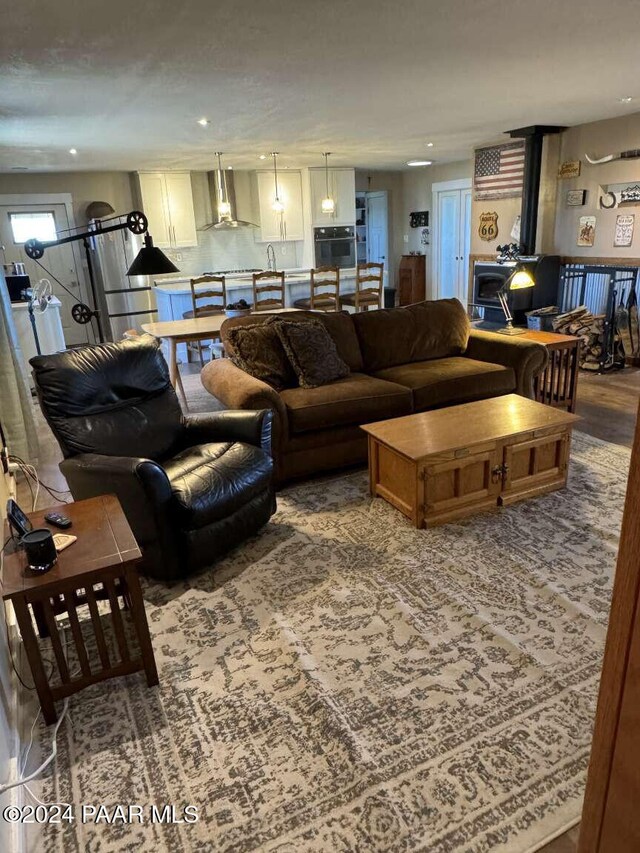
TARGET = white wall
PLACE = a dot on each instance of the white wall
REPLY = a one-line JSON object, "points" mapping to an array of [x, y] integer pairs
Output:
{"points": [[416, 184], [598, 139]]}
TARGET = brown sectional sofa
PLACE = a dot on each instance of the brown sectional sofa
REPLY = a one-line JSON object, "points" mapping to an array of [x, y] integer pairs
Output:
{"points": [[402, 360]]}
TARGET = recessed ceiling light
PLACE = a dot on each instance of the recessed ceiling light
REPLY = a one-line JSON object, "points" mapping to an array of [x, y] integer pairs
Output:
{"points": [[262, 157], [419, 162], [429, 144], [73, 151], [203, 122], [626, 100]]}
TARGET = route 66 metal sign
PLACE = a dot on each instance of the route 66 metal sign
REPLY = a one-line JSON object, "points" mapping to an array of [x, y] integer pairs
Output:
{"points": [[488, 228]]}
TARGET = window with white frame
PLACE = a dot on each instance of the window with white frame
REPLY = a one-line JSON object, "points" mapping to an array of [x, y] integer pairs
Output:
{"points": [[39, 225]]}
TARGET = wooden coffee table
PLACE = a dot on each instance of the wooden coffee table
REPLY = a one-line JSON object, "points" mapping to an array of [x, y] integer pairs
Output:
{"points": [[100, 565], [445, 464]]}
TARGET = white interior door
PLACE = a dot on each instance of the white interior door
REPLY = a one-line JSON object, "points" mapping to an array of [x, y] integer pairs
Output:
{"points": [[46, 222], [465, 247], [447, 267], [378, 230], [452, 230]]}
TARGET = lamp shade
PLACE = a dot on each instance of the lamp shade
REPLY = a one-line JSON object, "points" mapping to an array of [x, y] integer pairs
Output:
{"points": [[521, 279], [151, 261]]}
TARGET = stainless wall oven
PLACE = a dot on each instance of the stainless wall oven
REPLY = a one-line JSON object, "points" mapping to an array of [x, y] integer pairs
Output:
{"points": [[335, 246]]}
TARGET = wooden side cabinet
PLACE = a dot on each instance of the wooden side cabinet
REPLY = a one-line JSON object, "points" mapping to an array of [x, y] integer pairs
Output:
{"points": [[412, 279], [557, 385]]}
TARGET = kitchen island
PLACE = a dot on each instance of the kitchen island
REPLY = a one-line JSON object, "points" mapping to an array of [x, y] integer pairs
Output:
{"points": [[173, 295]]}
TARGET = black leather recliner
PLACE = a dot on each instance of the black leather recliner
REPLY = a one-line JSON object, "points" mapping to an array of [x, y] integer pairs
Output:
{"points": [[191, 487]]}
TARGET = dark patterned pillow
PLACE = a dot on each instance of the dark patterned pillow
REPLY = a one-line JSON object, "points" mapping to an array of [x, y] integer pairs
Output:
{"points": [[258, 350], [312, 352]]}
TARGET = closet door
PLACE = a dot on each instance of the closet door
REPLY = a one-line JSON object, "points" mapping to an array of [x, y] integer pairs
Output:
{"points": [[448, 263]]}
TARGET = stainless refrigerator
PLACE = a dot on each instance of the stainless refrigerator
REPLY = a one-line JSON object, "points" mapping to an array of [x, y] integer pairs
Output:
{"points": [[125, 302]]}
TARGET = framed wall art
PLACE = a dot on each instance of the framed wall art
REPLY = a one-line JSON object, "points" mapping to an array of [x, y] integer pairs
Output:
{"points": [[624, 230], [586, 231], [576, 198], [569, 169]]}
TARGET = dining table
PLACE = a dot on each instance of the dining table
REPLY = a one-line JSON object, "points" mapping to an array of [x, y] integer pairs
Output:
{"points": [[188, 330]]}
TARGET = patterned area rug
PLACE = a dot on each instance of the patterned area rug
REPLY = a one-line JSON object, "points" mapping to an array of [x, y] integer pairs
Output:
{"points": [[346, 683]]}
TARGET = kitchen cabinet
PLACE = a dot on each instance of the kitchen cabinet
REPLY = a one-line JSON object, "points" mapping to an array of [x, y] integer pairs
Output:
{"points": [[342, 189], [167, 201], [288, 225]]}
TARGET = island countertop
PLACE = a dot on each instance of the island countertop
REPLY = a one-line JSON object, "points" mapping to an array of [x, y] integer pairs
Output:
{"points": [[238, 280]]}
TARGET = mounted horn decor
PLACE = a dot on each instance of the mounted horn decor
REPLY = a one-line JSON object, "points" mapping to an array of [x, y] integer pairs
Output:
{"points": [[633, 154]]}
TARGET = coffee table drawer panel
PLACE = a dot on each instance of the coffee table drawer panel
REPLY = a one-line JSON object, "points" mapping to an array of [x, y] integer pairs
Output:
{"points": [[394, 478], [539, 462], [465, 482]]}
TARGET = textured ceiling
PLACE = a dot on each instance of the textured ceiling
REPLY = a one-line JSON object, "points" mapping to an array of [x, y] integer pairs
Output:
{"points": [[125, 82]]}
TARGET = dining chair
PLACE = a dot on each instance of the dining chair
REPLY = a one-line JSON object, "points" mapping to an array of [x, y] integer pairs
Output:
{"points": [[325, 291], [217, 293], [369, 289], [275, 285]]}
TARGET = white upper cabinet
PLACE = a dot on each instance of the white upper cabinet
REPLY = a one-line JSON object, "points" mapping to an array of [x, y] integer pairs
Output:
{"points": [[288, 225], [167, 201], [342, 189]]}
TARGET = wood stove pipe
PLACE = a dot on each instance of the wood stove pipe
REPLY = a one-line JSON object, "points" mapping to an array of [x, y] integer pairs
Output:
{"points": [[533, 137]]}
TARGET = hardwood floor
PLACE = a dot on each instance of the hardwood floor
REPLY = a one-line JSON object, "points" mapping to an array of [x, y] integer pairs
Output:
{"points": [[608, 405]]}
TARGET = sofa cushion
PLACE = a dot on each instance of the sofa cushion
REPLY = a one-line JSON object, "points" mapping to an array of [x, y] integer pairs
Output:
{"points": [[212, 481], [312, 353], [339, 324], [357, 399], [412, 333], [448, 381], [257, 349]]}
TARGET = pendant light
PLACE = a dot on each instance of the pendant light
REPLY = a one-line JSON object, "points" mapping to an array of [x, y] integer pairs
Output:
{"points": [[277, 205], [327, 204], [224, 205]]}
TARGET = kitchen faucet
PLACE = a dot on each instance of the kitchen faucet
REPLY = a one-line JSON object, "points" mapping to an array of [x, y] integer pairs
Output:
{"points": [[271, 258]]}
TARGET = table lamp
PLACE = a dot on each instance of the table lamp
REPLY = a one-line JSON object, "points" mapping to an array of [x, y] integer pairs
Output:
{"points": [[519, 279]]}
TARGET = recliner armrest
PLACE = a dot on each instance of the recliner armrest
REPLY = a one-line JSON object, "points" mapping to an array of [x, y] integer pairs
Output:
{"points": [[527, 358], [141, 486], [246, 425]]}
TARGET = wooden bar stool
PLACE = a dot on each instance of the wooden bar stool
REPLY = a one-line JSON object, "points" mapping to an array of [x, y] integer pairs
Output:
{"points": [[219, 296], [275, 285], [325, 291], [369, 291]]}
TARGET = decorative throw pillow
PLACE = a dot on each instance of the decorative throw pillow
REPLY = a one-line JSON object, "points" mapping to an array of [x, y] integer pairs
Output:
{"points": [[258, 350], [312, 352]]}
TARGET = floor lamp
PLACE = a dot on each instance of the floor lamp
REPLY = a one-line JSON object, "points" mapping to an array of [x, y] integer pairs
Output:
{"points": [[149, 261]]}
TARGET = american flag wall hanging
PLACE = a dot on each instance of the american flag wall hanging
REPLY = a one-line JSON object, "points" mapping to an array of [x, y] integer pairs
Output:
{"points": [[499, 171]]}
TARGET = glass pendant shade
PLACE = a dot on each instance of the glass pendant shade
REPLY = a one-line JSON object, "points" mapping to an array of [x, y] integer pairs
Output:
{"points": [[224, 208], [328, 205], [277, 206]]}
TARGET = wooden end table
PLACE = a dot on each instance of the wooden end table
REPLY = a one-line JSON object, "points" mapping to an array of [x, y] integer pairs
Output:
{"points": [[449, 463], [557, 385], [104, 556]]}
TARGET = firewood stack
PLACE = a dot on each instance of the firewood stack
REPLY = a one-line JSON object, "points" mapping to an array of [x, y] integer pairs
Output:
{"points": [[589, 328]]}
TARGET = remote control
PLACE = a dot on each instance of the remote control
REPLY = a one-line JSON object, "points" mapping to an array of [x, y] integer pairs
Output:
{"points": [[58, 520]]}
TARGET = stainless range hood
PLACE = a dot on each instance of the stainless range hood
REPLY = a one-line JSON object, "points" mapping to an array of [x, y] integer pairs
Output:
{"points": [[223, 201]]}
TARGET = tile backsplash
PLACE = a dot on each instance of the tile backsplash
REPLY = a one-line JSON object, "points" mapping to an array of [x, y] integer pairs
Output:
{"points": [[227, 250]]}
